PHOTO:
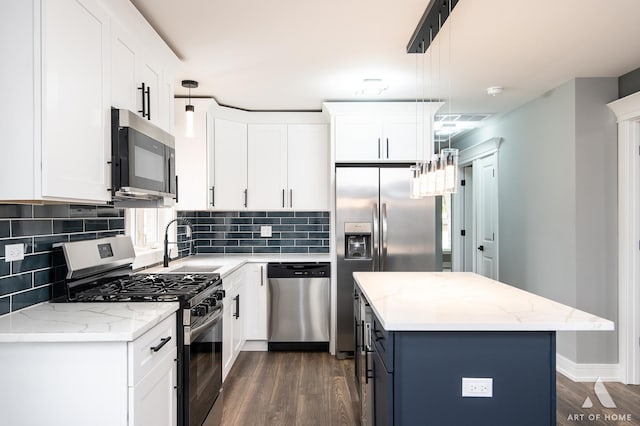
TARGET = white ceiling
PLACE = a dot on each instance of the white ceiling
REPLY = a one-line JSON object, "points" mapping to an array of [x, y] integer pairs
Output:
{"points": [[295, 54]]}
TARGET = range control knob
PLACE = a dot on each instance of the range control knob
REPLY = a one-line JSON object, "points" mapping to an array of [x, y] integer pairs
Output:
{"points": [[220, 294], [199, 311], [211, 301]]}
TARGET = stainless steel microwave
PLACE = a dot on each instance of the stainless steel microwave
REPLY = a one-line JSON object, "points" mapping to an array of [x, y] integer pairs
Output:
{"points": [[143, 160]]}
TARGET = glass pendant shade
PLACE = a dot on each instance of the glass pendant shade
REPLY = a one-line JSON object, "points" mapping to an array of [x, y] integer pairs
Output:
{"points": [[439, 176], [189, 111], [450, 156], [414, 183]]}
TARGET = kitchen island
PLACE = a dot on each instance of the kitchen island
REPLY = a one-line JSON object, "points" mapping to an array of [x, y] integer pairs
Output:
{"points": [[434, 333]]}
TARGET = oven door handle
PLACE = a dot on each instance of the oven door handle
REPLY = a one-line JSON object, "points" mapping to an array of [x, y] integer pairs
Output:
{"points": [[195, 332]]}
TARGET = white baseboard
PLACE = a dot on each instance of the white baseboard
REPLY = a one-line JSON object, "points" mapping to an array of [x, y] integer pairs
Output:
{"points": [[587, 372], [255, 346]]}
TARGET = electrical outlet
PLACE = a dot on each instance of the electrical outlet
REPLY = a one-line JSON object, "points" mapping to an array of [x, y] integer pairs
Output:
{"points": [[265, 231], [477, 387], [13, 252]]}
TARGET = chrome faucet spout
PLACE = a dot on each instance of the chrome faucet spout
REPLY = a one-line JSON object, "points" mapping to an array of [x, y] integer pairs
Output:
{"points": [[165, 258]]}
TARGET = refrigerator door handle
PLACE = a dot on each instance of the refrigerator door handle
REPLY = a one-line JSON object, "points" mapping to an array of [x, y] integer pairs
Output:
{"points": [[383, 233], [374, 237]]}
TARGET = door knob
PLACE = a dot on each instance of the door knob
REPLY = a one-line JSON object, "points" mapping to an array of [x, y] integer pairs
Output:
{"points": [[481, 248]]}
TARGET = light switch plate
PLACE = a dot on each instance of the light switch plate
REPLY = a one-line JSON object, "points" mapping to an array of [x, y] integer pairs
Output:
{"points": [[13, 252], [265, 231], [477, 387]]}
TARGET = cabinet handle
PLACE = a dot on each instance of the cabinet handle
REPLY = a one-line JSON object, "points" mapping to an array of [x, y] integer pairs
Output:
{"points": [[261, 275], [246, 197], [237, 313], [387, 148], [379, 148], [213, 196], [176, 189], [143, 111], [291, 198], [283, 198], [148, 102], [159, 346]]}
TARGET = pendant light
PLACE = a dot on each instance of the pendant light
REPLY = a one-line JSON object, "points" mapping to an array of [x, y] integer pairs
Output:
{"points": [[189, 109], [436, 174]]}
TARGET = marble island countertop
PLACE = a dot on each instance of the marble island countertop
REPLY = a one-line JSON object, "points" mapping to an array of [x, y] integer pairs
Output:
{"points": [[83, 322], [464, 301]]}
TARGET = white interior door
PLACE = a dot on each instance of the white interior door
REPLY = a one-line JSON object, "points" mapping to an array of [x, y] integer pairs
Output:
{"points": [[485, 185], [468, 220]]}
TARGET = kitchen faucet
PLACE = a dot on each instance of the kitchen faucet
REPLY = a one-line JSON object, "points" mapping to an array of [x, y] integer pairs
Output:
{"points": [[165, 261]]}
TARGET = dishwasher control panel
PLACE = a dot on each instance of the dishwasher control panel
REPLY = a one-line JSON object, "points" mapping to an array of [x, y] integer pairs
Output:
{"points": [[299, 270]]}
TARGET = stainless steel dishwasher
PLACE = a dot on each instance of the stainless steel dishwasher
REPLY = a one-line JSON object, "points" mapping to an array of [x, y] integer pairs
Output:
{"points": [[299, 306]]}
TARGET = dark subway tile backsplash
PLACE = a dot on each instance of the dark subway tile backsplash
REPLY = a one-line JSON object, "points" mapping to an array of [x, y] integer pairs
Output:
{"points": [[38, 227], [239, 232], [23, 228]]}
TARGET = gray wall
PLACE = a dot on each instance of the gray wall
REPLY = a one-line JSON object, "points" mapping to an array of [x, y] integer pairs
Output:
{"points": [[629, 83], [557, 204]]}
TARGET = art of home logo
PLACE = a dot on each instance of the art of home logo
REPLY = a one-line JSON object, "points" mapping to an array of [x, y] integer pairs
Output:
{"points": [[605, 401]]}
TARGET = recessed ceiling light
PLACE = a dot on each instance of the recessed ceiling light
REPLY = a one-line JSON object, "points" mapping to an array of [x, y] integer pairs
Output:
{"points": [[371, 87], [495, 90]]}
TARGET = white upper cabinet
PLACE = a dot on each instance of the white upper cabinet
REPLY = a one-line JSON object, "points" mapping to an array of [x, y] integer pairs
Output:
{"points": [[308, 169], [75, 121], [228, 165], [361, 136], [56, 122], [267, 166], [381, 131], [142, 71], [266, 161], [288, 166], [191, 155]]}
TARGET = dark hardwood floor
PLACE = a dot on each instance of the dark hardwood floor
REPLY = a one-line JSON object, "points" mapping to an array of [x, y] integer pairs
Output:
{"points": [[311, 388], [571, 396], [290, 388]]}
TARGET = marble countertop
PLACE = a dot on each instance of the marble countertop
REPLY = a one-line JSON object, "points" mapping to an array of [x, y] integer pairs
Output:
{"points": [[464, 301], [83, 322], [227, 264]]}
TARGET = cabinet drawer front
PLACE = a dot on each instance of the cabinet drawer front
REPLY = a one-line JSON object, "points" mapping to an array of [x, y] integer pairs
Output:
{"points": [[383, 342], [148, 350]]}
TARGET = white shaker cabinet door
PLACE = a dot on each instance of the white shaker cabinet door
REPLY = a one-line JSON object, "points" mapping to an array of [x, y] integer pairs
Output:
{"points": [[358, 139], [153, 400], [76, 97], [267, 173], [400, 138], [308, 166], [229, 186], [255, 304]]}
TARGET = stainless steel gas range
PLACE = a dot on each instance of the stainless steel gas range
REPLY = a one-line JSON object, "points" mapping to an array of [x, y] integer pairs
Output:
{"points": [[101, 271]]}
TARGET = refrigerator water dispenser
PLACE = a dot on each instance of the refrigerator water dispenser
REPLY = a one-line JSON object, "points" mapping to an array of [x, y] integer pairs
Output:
{"points": [[357, 240]]}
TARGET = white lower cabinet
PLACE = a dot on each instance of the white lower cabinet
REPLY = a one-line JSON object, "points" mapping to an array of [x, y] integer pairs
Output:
{"points": [[97, 383], [152, 401], [233, 334], [256, 302], [153, 376]]}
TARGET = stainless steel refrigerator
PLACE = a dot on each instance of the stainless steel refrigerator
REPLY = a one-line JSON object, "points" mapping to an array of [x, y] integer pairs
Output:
{"points": [[379, 228]]}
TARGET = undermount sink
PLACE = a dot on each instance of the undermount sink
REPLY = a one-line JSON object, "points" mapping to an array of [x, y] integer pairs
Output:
{"points": [[195, 268]]}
